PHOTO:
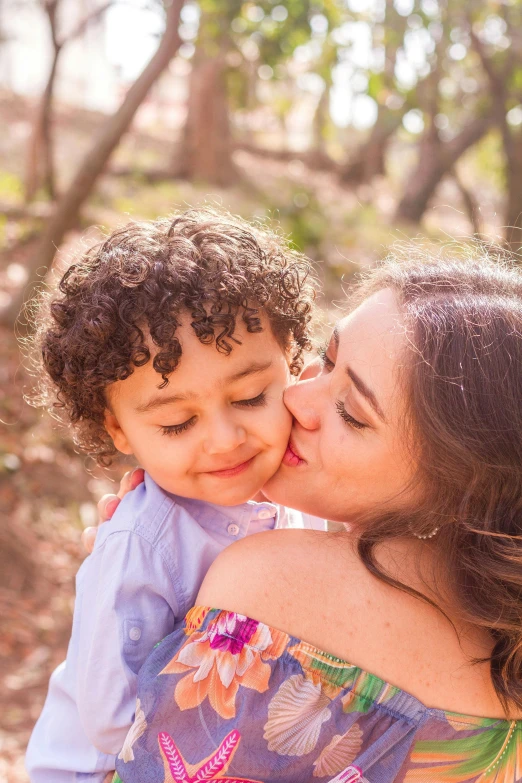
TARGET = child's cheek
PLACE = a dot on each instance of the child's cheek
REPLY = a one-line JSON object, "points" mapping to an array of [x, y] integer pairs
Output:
{"points": [[280, 424]]}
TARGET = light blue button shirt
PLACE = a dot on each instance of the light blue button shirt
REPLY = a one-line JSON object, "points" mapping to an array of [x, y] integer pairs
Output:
{"points": [[142, 577]]}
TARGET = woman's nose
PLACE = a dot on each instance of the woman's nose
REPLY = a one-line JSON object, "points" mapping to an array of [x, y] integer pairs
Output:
{"points": [[224, 435], [302, 401]]}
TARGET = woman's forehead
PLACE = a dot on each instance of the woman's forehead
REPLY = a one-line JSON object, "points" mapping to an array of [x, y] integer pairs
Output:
{"points": [[375, 317], [371, 344]]}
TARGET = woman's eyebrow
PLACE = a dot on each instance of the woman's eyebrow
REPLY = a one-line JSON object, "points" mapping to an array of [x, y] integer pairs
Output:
{"points": [[366, 392]]}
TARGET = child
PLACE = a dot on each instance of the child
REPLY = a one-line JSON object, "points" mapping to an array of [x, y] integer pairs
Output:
{"points": [[172, 341]]}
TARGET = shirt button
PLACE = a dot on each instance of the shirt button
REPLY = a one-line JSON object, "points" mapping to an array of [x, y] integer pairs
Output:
{"points": [[233, 529], [135, 634], [265, 513]]}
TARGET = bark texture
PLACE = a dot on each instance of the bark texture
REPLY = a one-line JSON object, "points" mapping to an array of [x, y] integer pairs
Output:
{"points": [[369, 160], [436, 159], [39, 168], [205, 152], [70, 204]]}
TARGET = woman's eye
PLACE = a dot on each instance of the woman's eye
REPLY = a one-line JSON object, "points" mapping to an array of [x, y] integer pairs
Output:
{"points": [[253, 402], [325, 360], [177, 429], [345, 416]]}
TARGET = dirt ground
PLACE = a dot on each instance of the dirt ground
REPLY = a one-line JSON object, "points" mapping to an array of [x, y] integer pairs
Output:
{"points": [[47, 493]]}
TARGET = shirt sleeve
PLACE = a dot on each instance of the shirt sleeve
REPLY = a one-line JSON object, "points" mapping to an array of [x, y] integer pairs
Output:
{"points": [[126, 605]]}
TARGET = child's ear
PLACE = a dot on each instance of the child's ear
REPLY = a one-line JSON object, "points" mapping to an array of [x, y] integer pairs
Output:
{"points": [[119, 438]]}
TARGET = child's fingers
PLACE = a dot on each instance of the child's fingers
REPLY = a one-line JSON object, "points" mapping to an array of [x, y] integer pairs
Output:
{"points": [[130, 481], [88, 538], [107, 506], [137, 477], [125, 484]]}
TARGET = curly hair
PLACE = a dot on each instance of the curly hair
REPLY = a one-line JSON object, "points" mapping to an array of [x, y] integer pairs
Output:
{"points": [[91, 332]]}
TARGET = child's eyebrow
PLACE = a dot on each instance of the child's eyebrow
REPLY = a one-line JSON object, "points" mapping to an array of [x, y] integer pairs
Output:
{"points": [[252, 368], [160, 400]]}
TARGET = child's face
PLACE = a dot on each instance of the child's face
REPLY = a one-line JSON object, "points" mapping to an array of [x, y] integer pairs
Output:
{"points": [[219, 429]]}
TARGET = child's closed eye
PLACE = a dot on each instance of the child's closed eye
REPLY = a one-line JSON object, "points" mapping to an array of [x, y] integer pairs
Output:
{"points": [[177, 429], [253, 402]]}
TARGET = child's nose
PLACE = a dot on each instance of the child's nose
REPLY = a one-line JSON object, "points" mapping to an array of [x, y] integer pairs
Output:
{"points": [[224, 435]]}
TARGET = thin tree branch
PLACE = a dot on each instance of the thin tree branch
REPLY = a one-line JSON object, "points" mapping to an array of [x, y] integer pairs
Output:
{"points": [[84, 23], [494, 77]]}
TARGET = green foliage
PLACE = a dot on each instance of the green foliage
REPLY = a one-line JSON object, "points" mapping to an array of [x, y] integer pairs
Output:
{"points": [[265, 32], [487, 159], [304, 221], [11, 186]]}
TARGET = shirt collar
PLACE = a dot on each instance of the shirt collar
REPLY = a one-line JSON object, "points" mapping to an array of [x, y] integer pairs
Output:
{"points": [[211, 516]]}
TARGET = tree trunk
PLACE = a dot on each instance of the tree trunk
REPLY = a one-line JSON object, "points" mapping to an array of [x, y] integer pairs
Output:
{"points": [[436, 159], [317, 157], [40, 157], [471, 204], [70, 204], [205, 152], [321, 115], [500, 81], [368, 161], [40, 152]]}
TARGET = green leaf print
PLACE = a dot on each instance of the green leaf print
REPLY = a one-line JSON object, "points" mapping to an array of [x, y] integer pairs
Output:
{"points": [[494, 755], [367, 690]]}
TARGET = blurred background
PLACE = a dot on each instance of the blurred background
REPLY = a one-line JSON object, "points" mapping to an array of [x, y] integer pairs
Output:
{"points": [[350, 123]]}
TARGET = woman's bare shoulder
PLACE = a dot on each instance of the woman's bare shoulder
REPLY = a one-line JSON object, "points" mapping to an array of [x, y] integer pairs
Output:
{"points": [[265, 574]]}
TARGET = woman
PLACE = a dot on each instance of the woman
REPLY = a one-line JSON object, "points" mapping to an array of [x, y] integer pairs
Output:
{"points": [[371, 654]]}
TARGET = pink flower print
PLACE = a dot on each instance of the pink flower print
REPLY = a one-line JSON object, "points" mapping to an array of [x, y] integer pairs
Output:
{"points": [[232, 652], [177, 770], [231, 632]]}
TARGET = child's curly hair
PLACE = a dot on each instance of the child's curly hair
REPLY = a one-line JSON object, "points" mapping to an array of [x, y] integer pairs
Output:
{"points": [[140, 279]]}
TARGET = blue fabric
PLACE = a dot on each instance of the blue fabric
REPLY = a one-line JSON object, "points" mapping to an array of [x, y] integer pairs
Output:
{"points": [[142, 577], [228, 698]]}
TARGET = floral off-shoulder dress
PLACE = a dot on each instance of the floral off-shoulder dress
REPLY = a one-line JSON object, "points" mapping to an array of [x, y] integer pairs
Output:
{"points": [[227, 698]]}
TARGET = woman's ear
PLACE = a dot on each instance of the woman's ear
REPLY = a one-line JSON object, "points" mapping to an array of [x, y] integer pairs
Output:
{"points": [[119, 438]]}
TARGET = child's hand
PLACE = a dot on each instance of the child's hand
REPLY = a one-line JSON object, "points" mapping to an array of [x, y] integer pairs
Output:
{"points": [[109, 503]]}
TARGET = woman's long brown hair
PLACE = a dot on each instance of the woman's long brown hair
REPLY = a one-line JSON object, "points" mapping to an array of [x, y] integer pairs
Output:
{"points": [[463, 384]]}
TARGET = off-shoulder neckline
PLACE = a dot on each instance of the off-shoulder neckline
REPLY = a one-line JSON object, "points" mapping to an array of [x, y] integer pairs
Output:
{"points": [[471, 721]]}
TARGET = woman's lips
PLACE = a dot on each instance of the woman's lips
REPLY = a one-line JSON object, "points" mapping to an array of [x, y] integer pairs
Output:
{"points": [[234, 471], [291, 458]]}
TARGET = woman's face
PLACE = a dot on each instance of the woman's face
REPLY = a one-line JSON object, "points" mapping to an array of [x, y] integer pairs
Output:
{"points": [[347, 453]]}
